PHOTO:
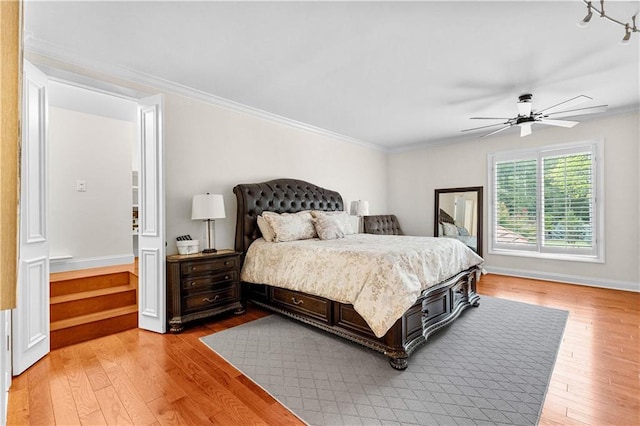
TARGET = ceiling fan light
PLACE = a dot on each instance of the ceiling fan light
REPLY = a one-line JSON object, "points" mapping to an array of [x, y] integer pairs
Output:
{"points": [[524, 108]]}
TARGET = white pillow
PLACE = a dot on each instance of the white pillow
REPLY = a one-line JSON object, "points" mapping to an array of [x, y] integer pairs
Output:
{"points": [[342, 217], [265, 229], [291, 226], [450, 229], [328, 227]]}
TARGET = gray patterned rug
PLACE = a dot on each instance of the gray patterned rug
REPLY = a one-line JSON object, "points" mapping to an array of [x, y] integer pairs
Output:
{"points": [[491, 366]]}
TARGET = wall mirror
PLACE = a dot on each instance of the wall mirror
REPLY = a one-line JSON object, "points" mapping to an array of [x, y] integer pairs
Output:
{"points": [[458, 214]]}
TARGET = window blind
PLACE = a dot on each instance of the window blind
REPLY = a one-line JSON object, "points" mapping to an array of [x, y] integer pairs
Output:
{"points": [[516, 203], [567, 201], [544, 201]]}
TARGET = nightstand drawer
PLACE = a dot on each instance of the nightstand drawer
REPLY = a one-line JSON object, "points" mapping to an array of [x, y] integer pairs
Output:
{"points": [[199, 267], [210, 299], [197, 282]]}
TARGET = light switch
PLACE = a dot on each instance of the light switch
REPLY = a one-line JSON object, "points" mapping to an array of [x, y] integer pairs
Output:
{"points": [[81, 185]]}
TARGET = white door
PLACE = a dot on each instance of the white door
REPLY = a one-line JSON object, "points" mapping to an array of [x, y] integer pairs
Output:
{"points": [[151, 233], [31, 315]]}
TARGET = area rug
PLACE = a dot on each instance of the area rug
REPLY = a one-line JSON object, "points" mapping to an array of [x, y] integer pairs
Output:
{"points": [[491, 366]]}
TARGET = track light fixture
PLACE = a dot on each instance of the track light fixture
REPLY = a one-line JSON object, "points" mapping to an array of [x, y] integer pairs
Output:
{"points": [[628, 29], [627, 36], [585, 22]]}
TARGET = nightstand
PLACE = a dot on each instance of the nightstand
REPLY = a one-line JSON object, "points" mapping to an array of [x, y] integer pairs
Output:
{"points": [[202, 285]]}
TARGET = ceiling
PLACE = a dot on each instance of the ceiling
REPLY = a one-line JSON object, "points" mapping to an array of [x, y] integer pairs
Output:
{"points": [[391, 74]]}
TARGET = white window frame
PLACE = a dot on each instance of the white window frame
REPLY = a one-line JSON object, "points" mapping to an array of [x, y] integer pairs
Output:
{"points": [[596, 146]]}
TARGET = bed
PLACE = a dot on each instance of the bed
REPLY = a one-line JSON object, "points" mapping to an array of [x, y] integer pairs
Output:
{"points": [[433, 307]]}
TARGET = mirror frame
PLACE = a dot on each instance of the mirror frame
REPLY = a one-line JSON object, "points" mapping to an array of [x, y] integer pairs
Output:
{"points": [[478, 191]]}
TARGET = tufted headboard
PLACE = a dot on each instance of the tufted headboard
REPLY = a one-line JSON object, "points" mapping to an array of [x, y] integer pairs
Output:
{"points": [[280, 196], [386, 224], [444, 217]]}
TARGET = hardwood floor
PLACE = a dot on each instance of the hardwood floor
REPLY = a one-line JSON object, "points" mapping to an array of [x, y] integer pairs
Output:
{"points": [[139, 377], [596, 379]]}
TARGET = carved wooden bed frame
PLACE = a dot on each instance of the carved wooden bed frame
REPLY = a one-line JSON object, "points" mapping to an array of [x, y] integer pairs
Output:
{"points": [[435, 308]]}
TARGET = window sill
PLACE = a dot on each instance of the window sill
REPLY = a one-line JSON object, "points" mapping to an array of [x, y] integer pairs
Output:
{"points": [[550, 256]]}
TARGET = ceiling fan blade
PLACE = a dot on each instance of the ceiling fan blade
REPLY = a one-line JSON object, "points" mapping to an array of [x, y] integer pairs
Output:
{"points": [[482, 127], [490, 118], [525, 129], [569, 103], [497, 131], [560, 123], [579, 111]]}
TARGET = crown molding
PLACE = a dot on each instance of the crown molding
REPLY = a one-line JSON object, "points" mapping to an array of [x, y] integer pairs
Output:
{"points": [[66, 65]]}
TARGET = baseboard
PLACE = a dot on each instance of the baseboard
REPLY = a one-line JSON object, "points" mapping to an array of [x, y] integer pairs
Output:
{"points": [[568, 279], [64, 265]]}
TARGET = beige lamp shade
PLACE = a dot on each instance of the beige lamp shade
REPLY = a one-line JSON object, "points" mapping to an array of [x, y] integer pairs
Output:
{"points": [[359, 208], [207, 206]]}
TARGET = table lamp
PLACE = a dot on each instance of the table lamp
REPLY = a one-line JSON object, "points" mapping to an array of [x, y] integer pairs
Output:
{"points": [[208, 207], [359, 208]]}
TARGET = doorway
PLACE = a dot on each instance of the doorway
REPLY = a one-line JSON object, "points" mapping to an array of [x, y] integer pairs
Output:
{"points": [[34, 287]]}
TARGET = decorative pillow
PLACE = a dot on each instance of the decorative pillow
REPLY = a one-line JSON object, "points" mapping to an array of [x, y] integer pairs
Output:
{"points": [[440, 230], [328, 227], [342, 217], [450, 229], [265, 229], [290, 226], [463, 231]]}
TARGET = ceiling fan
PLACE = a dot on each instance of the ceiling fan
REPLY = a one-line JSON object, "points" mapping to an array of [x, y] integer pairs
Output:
{"points": [[527, 116]]}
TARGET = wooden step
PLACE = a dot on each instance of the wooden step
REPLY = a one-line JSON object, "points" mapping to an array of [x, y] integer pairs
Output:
{"points": [[88, 283], [93, 272], [86, 327], [87, 302], [90, 303]]}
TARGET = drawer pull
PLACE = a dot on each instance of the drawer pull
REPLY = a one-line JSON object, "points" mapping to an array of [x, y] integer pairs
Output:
{"points": [[192, 283], [297, 302], [227, 263], [226, 277], [206, 299]]}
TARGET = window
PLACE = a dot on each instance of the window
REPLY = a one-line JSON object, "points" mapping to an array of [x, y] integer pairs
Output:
{"points": [[544, 202]]}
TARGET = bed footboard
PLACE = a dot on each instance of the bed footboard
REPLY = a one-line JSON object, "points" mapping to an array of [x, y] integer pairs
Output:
{"points": [[434, 309]]}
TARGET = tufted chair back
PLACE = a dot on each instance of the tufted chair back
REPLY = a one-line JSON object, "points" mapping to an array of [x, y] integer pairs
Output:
{"points": [[382, 225]]}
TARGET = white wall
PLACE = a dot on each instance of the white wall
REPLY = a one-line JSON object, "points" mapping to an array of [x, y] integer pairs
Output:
{"points": [[414, 175], [211, 149], [94, 227]]}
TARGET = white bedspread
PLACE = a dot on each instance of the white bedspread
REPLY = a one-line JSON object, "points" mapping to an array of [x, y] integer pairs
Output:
{"points": [[380, 275]]}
